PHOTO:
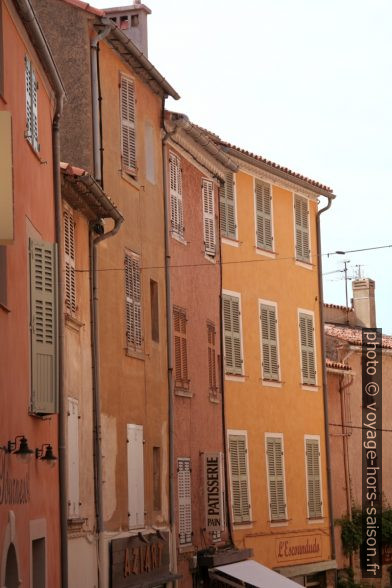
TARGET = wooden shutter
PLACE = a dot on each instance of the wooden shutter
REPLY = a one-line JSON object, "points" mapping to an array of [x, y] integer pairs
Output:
{"points": [[263, 215], [232, 334], [181, 380], [135, 476], [239, 478], [69, 258], [227, 208], [275, 469], [302, 242], [184, 500], [133, 301], [128, 127], [73, 458], [269, 342], [29, 104], [211, 334], [208, 216], [313, 478], [176, 206], [34, 90], [306, 330], [43, 280]]}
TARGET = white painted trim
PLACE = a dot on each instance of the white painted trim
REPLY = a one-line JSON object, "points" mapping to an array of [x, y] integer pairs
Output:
{"points": [[299, 261], [233, 378], [259, 250], [308, 266], [310, 521], [278, 436], [271, 383], [266, 253], [231, 242], [275, 304], [239, 433], [238, 295], [311, 312]]}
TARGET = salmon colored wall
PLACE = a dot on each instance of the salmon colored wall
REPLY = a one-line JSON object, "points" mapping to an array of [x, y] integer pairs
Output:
{"points": [[33, 217]]}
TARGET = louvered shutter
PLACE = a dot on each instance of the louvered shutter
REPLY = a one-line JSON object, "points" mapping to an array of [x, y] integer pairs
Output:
{"points": [[263, 215], [176, 205], [302, 241], [43, 280], [232, 334], [133, 301], [128, 127], [239, 478], [208, 217], [269, 342], [29, 104], [73, 458], [184, 500], [307, 349], [211, 357], [34, 90], [313, 478], [276, 484], [69, 258], [227, 208], [180, 350], [135, 461]]}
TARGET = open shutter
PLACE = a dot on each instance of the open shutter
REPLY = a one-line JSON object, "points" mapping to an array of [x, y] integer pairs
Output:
{"points": [[180, 349], [133, 301], [239, 478], [276, 478], [307, 349], [43, 280], [211, 357], [263, 215], [69, 255], [313, 478], [208, 217], [135, 476], [34, 90], [184, 500], [73, 458], [269, 342], [176, 206], [302, 242], [128, 132], [232, 334], [227, 208], [29, 104]]}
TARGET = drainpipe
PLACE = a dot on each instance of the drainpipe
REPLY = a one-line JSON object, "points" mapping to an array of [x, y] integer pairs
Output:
{"points": [[324, 376]]}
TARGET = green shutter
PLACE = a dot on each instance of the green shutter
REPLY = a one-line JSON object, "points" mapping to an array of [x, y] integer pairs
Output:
{"points": [[239, 478], [227, 208], [232, 334], [276, 483], [263, 215], [307, 349], [269, 342], [313, 478], [43, 304], [302, 242]]}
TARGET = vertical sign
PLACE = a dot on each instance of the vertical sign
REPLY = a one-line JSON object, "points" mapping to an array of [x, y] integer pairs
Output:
{"points": [[214, 520]]}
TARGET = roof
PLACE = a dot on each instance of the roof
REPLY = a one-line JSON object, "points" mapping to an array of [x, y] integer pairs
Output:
{"points": [[353, 335], [85, 6], [250, 573], [337, 365], [339, 307]]}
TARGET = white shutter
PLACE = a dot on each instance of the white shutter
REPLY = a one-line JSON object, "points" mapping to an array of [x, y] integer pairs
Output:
{"points": [[34, 90], [133, 301], [276, 482], [263, 215], [232, 334], [269, 342], [302, 237], [176, 205], [184, 500], [135, 476], [69, 258], [29, 105], [73, 458], [239, 478], [208, 216], [307, 349], [128, 127], [313, 477]]}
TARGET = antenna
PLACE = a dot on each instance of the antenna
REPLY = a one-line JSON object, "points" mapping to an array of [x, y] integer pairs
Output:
{"points": [[358, 271], [345, 262]]}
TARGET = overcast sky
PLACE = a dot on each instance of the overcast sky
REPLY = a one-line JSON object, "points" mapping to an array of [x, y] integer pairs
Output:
{"points": [[307, 84]]}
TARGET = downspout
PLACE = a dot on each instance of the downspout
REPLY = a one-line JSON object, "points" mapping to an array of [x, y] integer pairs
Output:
{"points": [[324, 376], [342, 390]]}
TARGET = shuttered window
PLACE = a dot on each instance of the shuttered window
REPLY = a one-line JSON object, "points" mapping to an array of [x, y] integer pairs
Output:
{"points": [[176, 206], [239, 478], [69, 258], [133, 301], [232, 334], [128, 126], [31, 132], [302, 237], [269, 342], [135, 461], [184, 501], [73, 458], [43, 280], [208, 217], [181, 380], [312, 448], [276, 482], [227, 208], [308, 362], [263, 200], [211, 336]]}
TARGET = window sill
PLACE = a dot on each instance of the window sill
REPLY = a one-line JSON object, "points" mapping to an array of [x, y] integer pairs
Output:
{"points": [[35, 152], [231, 242], [183, 392], [178, 238], [272, 383], [72, 322], [306, 264], [4, 308], [209, 257], [244, 525], [310, 387], [234, 377], [312, 521], [279, 523], [76, 524], [266, 252], [132, 180], [214, 396], [130, 352]]}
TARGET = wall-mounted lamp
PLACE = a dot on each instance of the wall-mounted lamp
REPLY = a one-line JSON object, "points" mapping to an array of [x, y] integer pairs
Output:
{"points": [[47, 457], [23, 452]]}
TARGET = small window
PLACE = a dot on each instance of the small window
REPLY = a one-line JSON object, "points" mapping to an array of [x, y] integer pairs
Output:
{"points": [[184, 500], [3, 275], [31, 132], [124, 22], [133, 306], [156, 477], [181, 381], [154, 311], [134, 20]]}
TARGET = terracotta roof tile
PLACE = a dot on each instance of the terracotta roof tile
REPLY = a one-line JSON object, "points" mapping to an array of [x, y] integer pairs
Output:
{"points": [[338, 306], [337, 365], [353, 335]]}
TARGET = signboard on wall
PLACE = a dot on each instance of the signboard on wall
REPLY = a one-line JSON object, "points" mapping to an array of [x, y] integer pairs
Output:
{"points": [[213, 491]]}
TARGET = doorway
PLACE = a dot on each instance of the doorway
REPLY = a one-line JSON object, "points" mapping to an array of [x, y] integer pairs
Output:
{"points": [[11, 569]]}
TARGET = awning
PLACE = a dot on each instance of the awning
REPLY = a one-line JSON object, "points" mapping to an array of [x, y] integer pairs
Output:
{"points": [[250, 573]]}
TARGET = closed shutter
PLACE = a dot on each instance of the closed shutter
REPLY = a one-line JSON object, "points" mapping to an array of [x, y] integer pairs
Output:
{"points": [[43, 280], [269, 342], [73, 458], [133, 301], [176, 206], [275, 469], [302, 241], [227, 208], [128, 127], [263, 215], [135, 476], [313, 478], [239, 478], [69, 255], [184, 500], [34, 89], [306, 330], [181, 380], [208, 217], [211, 334], [232, 334]]}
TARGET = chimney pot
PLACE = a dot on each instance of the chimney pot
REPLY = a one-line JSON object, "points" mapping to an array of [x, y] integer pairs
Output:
{"points": [[132, 20], [364, 302]]}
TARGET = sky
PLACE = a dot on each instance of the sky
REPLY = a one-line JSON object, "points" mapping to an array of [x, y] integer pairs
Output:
{"points": [[304, 83]]}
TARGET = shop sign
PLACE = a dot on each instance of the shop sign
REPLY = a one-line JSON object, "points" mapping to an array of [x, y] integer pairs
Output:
{"points": [[213, 479], [298, 548], [12, 490]]}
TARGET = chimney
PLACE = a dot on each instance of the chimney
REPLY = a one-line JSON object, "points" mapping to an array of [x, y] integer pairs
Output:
{"points": [[132, 20], [364, 302]]}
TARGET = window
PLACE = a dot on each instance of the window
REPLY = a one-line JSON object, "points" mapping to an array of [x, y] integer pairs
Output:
{"points": [[154, 311], [208, 217], [263, 198], [128, 125], [211, 336], [73, 458], [38, 549], [176, 207], [184, 501], [149, 147], [308, 363], [302, 238], [269, 342], [181, 381], [43, 321], [69, 257], [313, 477], [31, 132], [227, 208], [3, 275], [135, 462], [156, 477], [232, 334], [275, 476], [239, 478], [133, 301]]}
